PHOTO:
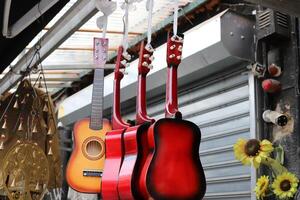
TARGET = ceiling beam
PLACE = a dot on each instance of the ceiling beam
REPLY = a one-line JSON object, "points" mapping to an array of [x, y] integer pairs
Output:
{"points": [[71, 21], [75, 67], [100, 31], [78, 49]]}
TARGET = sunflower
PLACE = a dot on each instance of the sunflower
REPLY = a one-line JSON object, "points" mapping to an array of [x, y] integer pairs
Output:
{"points": [[252, 151], [262, 186], [285, 185]]}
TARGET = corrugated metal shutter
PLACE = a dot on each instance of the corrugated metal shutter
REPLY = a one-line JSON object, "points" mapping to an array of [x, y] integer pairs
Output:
{"points": [[221, 109]]}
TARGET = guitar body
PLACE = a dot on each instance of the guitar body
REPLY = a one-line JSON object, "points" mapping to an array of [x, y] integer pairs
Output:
{"points": [[132, 163], [86, 164], [173, 169], [113, 162], [143, 152]]}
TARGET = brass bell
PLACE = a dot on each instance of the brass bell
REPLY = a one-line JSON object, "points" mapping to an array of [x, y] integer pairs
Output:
{"points": [[4, 126], [16, 105], [45, 109], [1, 145], [23, 101], [34, 129], [13, 183], [37, 187], [20, 128], [49, 132], [50, 153]]}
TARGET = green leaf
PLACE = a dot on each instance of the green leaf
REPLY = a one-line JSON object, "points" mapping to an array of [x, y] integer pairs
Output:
{"points": [[279, 154]]}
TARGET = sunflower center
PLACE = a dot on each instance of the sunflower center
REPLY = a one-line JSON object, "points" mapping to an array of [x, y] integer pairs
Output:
{"points": [[285, 185], [252, 147]]}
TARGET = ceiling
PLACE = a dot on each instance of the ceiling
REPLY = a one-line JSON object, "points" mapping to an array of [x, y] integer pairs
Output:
{"points": [[73, 58], [11, 47]]}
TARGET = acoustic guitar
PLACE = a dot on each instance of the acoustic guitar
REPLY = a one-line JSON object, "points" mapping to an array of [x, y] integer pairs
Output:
{"points": [[173, 169], [114, 138], [134, 136], [85, 167]]}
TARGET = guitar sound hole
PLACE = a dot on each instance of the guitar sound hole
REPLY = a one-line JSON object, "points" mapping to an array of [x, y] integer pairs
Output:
{"points": [[93, 148]]}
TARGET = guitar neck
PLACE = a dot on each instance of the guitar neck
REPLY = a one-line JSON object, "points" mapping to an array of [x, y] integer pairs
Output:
{"points": [[171, 108], [117, 121], [97, 100]]}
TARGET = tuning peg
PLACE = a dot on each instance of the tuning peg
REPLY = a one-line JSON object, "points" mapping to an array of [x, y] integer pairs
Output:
{"points": [[146, 55], [173, 47], [180, 48], [37, 187], [4, 126], [180, 38], [172, 56], [151, 58], [145, 64], [127, 56], [149, 48], [178, 57], [124, 62], [123, 71], [150, 66], [3, 136], [173, 38]]}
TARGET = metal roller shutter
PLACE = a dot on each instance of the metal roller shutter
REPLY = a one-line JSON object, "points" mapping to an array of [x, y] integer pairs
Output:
{"points": [[221, 109]]}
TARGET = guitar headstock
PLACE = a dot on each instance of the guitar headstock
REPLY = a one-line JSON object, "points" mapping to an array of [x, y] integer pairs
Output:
{"points": [[174, 49], [100, 52], [122, 62], [145, 58]]}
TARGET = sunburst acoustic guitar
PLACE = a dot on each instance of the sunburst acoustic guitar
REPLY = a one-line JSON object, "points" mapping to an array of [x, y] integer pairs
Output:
{"points": [[85, 167]]}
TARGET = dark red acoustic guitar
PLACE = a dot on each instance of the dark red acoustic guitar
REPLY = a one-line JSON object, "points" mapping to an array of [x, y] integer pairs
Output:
{"points": [[173, 169], [133, 154], [113, 139]]}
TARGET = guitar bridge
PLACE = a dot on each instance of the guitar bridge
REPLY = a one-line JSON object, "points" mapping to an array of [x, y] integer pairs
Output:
{"points": [[92, 173]]}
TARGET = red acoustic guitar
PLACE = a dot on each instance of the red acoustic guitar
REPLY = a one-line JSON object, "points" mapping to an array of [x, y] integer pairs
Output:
{"points": [[113, 139], [173, 169], [133, 155]]}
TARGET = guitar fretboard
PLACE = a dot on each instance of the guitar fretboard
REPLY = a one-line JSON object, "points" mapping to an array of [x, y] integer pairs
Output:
{"points": [[97, 100]]}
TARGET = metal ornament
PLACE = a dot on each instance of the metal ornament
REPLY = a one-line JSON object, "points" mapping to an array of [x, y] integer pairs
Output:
{"points": [[1, 145], [34, 129], [49, 132], [45, 109], [4, 126], [50, 152], [20, 128], [16, 105]]}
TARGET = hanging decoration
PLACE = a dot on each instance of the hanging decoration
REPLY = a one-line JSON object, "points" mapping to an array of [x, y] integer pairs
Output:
{"points": [[30, 157]]}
